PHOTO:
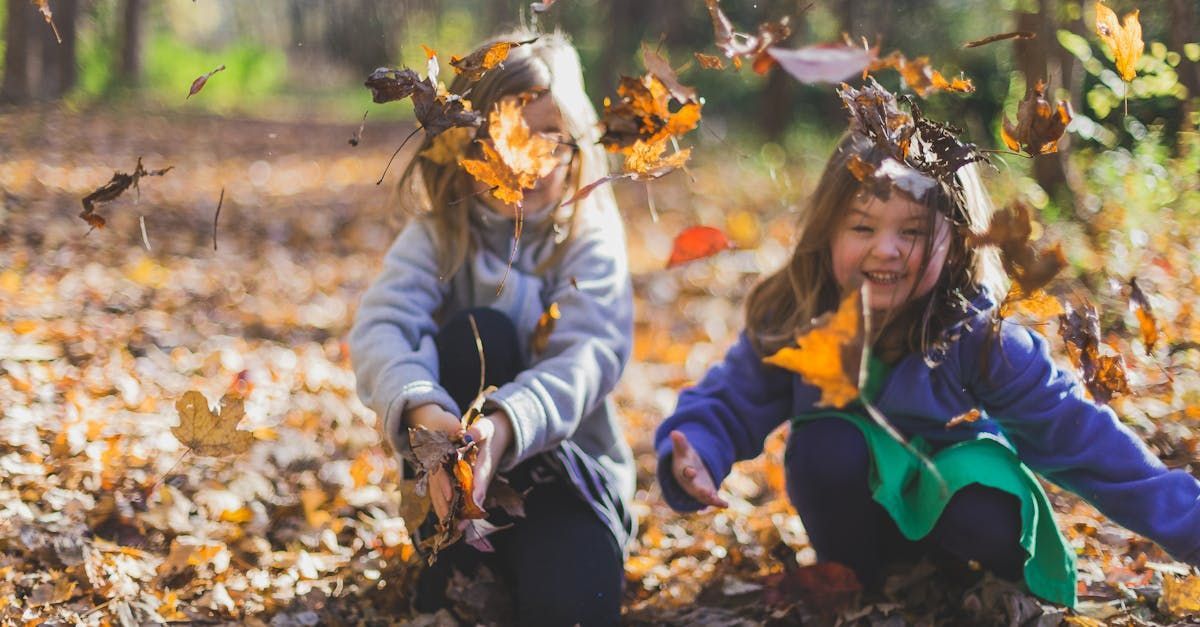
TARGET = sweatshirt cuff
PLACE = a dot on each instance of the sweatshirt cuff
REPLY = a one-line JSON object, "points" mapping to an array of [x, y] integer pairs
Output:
{"points": [[672, 492], [525, 413], [413, 394]]}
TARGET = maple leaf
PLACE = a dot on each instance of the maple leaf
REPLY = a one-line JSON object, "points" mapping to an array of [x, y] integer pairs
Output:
{"points": [[208, 434], [476, 64], [545, 326], [448, 147], [111, 190], [1037, 305], [1020, 34], [201, 81], [920, 77], [697, 242], [514, 157], [1010, 230], [1145, 315], [1124, 38], [1039, 123], [824, 63], [830, 354], [643, 113]]}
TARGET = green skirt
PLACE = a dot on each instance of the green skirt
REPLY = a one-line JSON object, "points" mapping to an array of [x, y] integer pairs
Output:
{"points": [[914, 497]]}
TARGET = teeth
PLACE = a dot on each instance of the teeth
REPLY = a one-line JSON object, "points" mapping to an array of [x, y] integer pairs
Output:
{"points": [[883, 277]]}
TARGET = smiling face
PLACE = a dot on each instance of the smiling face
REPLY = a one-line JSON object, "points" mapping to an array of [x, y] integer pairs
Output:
{"points": [[883, 243], [543, 118]]}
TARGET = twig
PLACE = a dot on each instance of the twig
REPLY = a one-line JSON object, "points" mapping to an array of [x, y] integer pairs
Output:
{"points": [[479, 350], [161, 477], [217, 215], [145, 238], [393, 158], [471, 195]]}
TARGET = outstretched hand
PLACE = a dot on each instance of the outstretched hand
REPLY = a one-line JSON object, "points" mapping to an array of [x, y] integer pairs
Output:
{"points": [[691, 473]]}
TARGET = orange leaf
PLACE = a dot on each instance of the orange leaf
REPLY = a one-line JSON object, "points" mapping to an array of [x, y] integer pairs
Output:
{"points": [[1124, 39], [697, 242], [830, 355], [476, 64], [44, 7], [545, 326], [709, 61], [920, 77], [646, 158], [1145, 315], [466, 479], [514, 157], [969, 416]]}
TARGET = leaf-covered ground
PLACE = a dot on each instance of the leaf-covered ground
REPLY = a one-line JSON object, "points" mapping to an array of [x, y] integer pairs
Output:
{"points": [[105, 519]]}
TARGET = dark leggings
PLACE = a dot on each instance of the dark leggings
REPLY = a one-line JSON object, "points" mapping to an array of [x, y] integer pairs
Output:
{"points": [[827, 464], [561, 562]]}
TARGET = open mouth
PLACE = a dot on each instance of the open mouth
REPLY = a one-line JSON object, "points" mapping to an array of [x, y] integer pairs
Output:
{"points": [[884, 278]]}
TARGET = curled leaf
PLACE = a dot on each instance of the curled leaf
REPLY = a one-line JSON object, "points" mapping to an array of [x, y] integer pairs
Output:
{"points": [[201, 81], [824, 63], [1010, 231], [738, 46], [1123, 38], [476, 64], [697, 242], [971, 415], [117, 185], [1040, 124]]}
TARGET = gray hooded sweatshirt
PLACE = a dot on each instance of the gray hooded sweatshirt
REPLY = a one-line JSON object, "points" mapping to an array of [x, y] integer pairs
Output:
{"points": [[560, 405]]}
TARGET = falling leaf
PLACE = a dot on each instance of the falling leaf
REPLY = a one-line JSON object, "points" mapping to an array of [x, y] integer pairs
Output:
{"points": [[208, 434], [738, 45], [824, 63], [709, 62], [1145, 315], [643, 114], [971, 415], [514, 157], [1020, 34], [202, 80], [354, 139], [647, 158], [113, 189], [920, 76], [450, 146], [697, 242], [659, 67], [545, 326], [1038, 305], [435, 110], [1039, 124], [830, 354], [476, 64], [44, 7], [541, 7], [1103, 375], [1010, 231], [1124, 38]]}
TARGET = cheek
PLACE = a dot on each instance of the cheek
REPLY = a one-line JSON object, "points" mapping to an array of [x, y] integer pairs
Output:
{"points": [[937, 261]]}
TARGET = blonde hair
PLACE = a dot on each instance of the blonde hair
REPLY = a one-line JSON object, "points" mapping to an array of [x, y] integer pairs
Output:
{"points": [[439, 193], [784, 303]]}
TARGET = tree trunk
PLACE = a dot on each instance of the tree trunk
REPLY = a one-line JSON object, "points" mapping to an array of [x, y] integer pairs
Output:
{"points": [[129, 70], [16, 54], [1183, 30]]}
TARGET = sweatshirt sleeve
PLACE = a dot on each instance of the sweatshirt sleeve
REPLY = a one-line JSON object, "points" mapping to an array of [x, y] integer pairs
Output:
{"points": [[1082, 446], [587, 349], [392, 341], [726, 417]]}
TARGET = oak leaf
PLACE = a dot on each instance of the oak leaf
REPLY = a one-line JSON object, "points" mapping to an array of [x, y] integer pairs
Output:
{"points": [[830, 354], [1040, 124], [697, 242], [1124, 38], [208, 434]]}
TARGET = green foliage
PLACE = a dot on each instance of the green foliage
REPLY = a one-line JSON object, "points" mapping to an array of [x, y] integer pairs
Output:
{"points": [[252, 73]]}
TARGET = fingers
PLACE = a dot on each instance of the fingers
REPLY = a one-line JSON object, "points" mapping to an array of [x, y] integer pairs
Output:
{"points": [[690, 472], [441, 493]]}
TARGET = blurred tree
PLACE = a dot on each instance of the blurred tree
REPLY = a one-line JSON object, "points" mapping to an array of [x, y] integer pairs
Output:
{"points": [[129, 67], [36, 65], [1183, 30]]}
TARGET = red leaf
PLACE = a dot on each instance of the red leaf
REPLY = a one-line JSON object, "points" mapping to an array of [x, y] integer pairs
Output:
{"points": [[697, 242]]}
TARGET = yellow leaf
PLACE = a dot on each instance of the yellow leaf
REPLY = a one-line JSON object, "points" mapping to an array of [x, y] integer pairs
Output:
{"points": [[646, 159], [213, 435], [515, 158], [1181, 597], [1124, 39], [829, 355], [449, 146]]}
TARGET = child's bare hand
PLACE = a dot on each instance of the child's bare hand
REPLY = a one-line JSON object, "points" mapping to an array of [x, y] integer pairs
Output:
{"points": [[434, 418], [691, 473]]}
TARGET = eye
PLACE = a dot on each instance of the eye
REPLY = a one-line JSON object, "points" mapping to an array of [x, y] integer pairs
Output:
{"points": [[914, 232], [862, 228]]}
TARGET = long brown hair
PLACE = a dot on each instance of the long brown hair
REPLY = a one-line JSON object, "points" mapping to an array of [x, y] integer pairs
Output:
{"points": [[784, 303], [440, 193]]}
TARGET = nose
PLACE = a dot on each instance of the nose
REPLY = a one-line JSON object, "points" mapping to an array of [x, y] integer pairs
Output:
{"points": [[887, 246]]}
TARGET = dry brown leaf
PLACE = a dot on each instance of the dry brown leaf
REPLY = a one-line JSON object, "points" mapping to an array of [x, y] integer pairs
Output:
{"points": [[476, 64], [1039, 123], [1147, 323], [971, 415], [205, 433], [202, 80]]}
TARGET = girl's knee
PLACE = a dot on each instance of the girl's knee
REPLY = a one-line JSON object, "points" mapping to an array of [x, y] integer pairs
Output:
{"points": [[828, 454], [984, 525]]}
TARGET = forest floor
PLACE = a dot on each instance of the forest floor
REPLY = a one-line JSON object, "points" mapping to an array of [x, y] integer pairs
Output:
{"points": [[105, 518]]}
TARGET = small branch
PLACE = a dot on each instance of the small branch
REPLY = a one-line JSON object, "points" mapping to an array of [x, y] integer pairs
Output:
{"points": [[216, 216]]}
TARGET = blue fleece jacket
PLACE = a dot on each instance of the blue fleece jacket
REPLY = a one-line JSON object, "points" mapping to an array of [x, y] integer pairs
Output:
{"points": [[1041, 410]]}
